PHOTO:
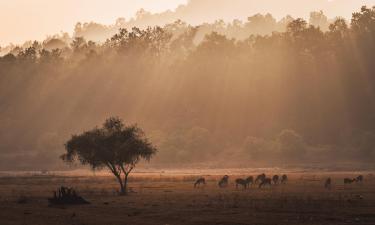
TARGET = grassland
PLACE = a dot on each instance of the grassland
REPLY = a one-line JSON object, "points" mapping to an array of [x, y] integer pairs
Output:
{"points": [[169, 198]]}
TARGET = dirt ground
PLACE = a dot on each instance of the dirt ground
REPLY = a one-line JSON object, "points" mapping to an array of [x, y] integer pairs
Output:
{"points": [[163, 198]]}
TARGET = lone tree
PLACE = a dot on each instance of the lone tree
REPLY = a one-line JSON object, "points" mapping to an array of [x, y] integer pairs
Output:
{"points": [[114, 146]]}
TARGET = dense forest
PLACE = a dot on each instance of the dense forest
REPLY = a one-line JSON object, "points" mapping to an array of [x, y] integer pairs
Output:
{"points": [[260, 92]]}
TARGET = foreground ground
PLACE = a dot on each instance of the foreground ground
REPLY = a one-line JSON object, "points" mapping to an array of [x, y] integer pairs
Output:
{"points": [[169, 198]]}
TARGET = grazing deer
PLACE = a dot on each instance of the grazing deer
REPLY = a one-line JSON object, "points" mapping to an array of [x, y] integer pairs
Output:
{"points": [[199, 182], [359, 179], [260, 178], [242, 182], [284, 179], [265, 181], [349, 181], [249, 180], [328, 183], [224, 181], [275, 179]]}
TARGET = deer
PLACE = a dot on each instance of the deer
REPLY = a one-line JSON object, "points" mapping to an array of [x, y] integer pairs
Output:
{"points": [[224, 181], [275, 179], [265, 181], [242, 182], [349, 181], [328, 183], [260, 178], [359, 179], [199, 182], [284, 179], [249, 180]]}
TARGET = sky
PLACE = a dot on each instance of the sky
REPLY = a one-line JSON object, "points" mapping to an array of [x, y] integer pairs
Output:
{"points": [[48, 17], [22, 20]]}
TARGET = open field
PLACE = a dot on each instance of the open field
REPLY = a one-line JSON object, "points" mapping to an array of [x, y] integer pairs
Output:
{"points": [[169, 198]]}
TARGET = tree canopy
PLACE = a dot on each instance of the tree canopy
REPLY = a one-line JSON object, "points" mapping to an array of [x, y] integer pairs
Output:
{"points": [[114, 146]]}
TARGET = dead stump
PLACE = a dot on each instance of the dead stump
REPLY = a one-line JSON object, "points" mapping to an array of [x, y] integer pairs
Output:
{"points": [[66, 196]]}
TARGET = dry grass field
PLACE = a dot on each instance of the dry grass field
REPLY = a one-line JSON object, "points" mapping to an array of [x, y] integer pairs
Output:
{"points": [[169, 198]]}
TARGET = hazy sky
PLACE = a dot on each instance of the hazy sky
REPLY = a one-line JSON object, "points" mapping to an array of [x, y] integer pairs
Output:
{"points": [[22, 20]]}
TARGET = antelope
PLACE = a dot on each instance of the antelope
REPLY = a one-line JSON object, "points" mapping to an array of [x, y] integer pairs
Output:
{"points": [[349, 181], [284, 179], [359, 179], [249, 180], [199, 182], [265, 181], [328, 184], [260, 178], [275, 179], [242, 182], [224, 181]]}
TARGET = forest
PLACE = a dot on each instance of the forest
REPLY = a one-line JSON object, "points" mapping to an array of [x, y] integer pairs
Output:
{"points": [[256, 92]]}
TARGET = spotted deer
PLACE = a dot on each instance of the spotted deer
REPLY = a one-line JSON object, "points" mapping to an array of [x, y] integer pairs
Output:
{"points": [[275, 179], [260, 178], [241, 182], [349, 181], [199, 182], [284, 179], [250, 181], [328, 183], [265, 181], [224, 181]]}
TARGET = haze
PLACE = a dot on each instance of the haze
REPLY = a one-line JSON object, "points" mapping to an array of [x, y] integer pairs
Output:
{"points": [[267, 88], [193, 112], [23, 20]]}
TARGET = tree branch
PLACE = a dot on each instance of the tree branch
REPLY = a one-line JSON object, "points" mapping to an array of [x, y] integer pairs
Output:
{"points": [[127, 169], [113, 169]]}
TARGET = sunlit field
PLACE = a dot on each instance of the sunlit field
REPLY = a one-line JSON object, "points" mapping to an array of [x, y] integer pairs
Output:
{"points": [[168, 197]]}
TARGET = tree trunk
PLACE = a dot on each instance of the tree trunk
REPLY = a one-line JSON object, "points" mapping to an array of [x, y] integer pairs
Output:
{"points": [[122, 187], [126, 184]]}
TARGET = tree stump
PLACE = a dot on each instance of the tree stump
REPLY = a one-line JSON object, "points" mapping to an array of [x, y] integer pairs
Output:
{"points": [[66, 196]]}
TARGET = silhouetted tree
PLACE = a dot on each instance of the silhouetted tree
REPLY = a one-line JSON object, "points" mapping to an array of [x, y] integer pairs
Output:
{"points": [[53, 56], [115, 146], [79, 44], [363, 22], [297, 26], [8, 58], [29, 54]]}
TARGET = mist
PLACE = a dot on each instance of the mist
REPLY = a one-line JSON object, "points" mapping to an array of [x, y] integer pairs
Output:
{"points": [[23, 20], [269, 89]]}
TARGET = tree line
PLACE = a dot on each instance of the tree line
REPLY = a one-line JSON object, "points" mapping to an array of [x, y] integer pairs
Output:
{"points": [[300, 95]]}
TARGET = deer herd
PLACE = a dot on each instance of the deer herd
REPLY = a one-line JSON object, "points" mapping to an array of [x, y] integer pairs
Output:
{"points": [[359, 179], [262, 181]]}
